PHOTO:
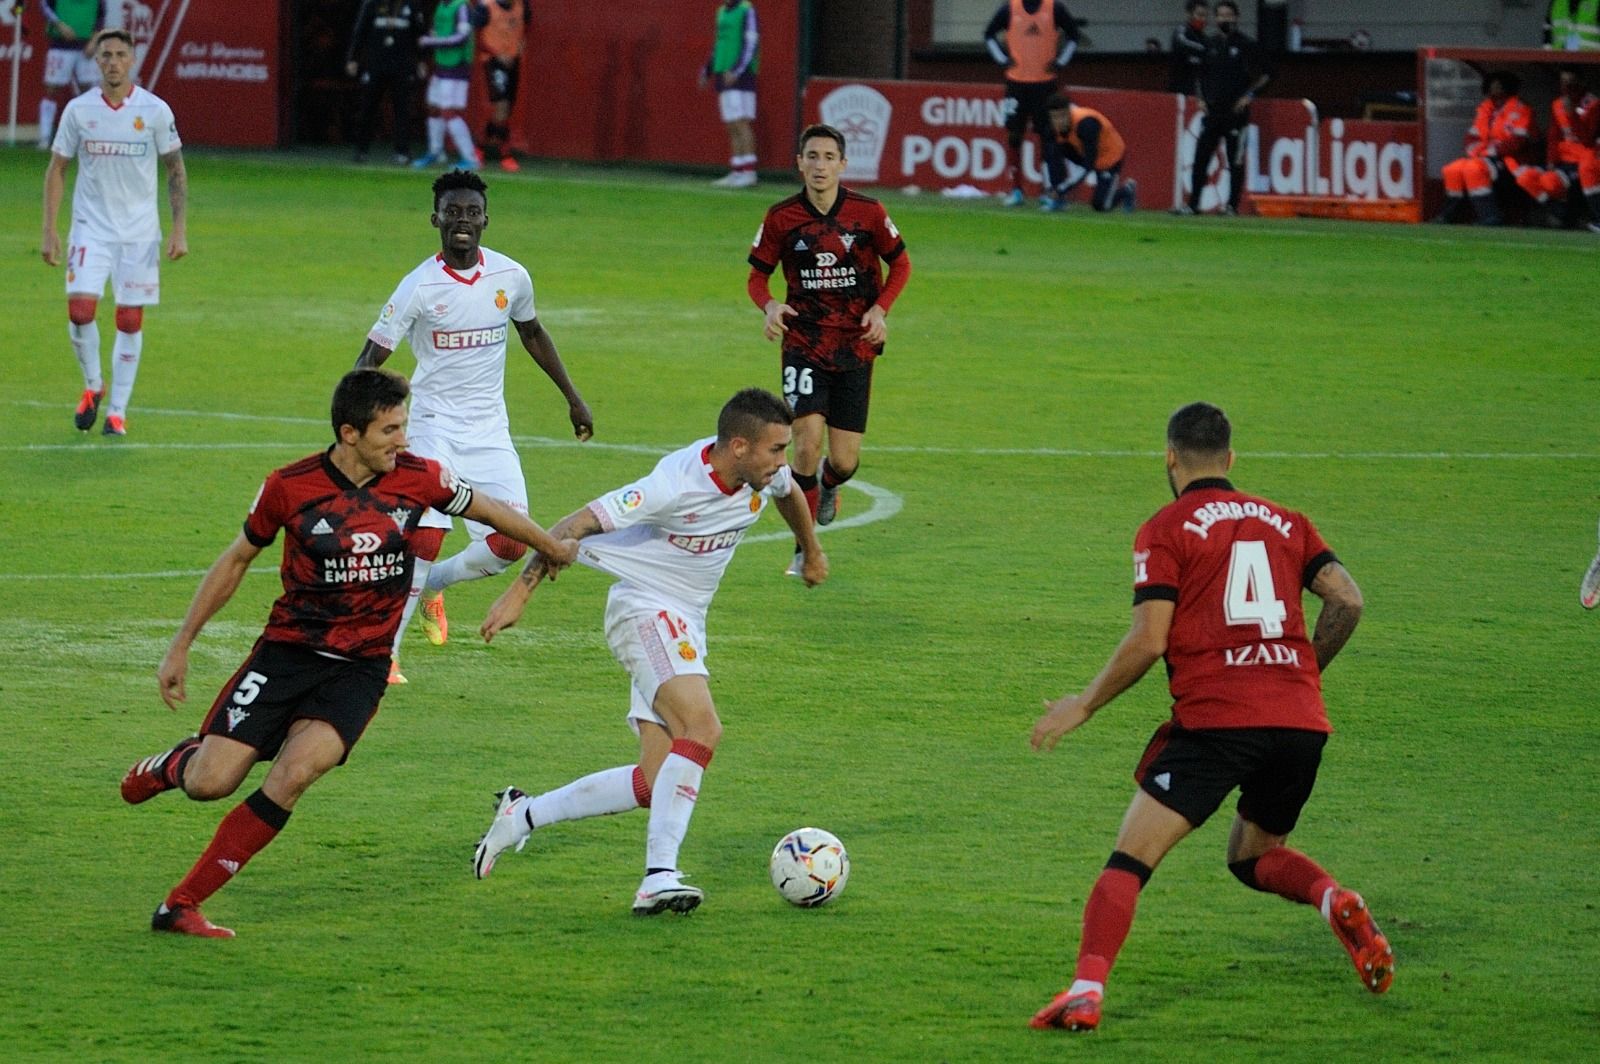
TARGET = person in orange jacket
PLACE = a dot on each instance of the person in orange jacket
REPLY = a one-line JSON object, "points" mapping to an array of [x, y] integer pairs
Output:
{"points": [[1496, 142], [1088, 140], [1572, 158]]}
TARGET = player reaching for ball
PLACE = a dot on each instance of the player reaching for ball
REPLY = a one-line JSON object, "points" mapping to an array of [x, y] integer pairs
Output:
{"points": [[1217, 578], [667, 540]]}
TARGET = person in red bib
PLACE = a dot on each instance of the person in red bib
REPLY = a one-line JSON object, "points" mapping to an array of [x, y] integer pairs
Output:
{"points": [[1217, 576], [1496, 142], [1033, 41]]}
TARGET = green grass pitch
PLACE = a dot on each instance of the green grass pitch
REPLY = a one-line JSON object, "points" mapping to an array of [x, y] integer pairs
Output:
{"points": [[1427, 395]]}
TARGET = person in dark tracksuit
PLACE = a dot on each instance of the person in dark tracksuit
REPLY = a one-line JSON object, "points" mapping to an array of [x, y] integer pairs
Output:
{"points": [[383, 58], [1232, 71], [1188, 48]]}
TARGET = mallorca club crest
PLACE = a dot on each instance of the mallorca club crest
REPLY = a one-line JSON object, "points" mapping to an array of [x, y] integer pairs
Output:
{"points": [[138, 124], [755, 501], [862, 114], [500, 300], [686, 650]]}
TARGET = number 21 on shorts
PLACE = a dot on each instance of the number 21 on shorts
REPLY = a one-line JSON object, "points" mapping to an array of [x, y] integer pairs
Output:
{"points": [[1250, 597]]}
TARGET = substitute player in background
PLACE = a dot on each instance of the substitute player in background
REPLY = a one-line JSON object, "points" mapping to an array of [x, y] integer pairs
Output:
{"points": [[1033, 41], [455, 310], [312, 682], [1089, 141], [116, 131], [731, 68], [68, 64], [451, 82], [504, 33], [1217, 578], [667, 539], [830, 241]]}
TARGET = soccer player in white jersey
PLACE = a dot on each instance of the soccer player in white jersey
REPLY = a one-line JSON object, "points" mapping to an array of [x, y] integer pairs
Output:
{"points": [[116, 131], [667, 540], [456, 310]]}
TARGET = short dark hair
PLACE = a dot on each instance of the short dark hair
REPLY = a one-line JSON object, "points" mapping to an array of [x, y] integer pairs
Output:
{"points": [[1509, 82], [451, 180], [363, 394], [749, 412], [1058, 101], [821, 130], [1200, 430], [113, 33], [1192, 4], [1227, 3]]}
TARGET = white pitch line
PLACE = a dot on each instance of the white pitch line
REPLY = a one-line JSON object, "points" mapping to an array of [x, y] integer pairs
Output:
{"points": [[885, 504]]}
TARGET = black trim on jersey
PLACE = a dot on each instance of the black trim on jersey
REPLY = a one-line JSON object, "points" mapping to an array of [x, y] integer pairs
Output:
{"points": [[1309, 574], [838, 202], [256, 541], [765, 268], [1205, 483], [340, 481], [1159, 592], [894, 252]]}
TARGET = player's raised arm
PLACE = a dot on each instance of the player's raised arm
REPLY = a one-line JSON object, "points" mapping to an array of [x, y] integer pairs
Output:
{"points": [[216, 588], [506, 610], [1141, 648], [536, 341]]}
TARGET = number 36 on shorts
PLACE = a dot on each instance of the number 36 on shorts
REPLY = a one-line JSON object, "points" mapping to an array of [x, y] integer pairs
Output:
{"points": [[797, 380]]}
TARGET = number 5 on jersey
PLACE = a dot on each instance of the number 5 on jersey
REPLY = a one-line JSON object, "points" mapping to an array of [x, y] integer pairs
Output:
{"points": [[1250, 597]]}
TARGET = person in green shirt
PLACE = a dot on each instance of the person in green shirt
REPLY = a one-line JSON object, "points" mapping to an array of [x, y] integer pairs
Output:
{"points": [[68, 67], [732, 66], [451, 40]]}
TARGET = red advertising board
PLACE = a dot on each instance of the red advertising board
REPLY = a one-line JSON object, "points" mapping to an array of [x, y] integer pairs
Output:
{"points": [[937, 135], [219, 69]]}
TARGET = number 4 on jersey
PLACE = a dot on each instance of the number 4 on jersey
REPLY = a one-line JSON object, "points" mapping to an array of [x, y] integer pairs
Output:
{"points": [[1250, 597]]}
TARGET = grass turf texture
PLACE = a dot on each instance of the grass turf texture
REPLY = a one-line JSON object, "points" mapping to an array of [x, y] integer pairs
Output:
{"points": [[1425, 394]]}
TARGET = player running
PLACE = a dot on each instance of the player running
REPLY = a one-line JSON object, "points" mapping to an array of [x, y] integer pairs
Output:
{"points": [[667, 540], [116, 131], [311, 685], [830, 241], [1216, 592], [456, 309]]}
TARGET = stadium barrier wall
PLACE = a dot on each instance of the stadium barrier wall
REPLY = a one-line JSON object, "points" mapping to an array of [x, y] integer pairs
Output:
{"points": [[221, 71], [943, 135]]}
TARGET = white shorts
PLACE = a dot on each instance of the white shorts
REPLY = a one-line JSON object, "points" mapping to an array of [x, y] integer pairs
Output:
{"points": [[134, 270], [737, 105], [448, 94], [69, 66], [654, 641], [490, 465]]}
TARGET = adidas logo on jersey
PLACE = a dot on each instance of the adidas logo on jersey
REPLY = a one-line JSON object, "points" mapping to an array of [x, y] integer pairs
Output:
{"points": [[801, 245], [322, 528]]}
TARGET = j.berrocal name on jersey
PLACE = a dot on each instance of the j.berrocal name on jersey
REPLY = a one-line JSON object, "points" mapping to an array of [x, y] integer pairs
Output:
{"points": [[457, 339], [706, 544], [115, 147], [363, 568], [1212, 512], [1261, 654], [828, 277]]}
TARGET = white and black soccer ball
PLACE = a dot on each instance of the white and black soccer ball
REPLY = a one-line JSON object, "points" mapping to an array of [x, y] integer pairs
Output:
{"points": [[809, 867]]}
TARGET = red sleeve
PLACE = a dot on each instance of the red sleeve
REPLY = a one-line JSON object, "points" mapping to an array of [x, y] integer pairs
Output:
{"points": [[267, 513], [899, 274], [1155, 564], [759, 288]]}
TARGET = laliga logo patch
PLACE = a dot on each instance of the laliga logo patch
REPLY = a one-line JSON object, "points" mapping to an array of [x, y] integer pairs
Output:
{"points": [[500, 300], [631, 499], [686, 651], [388, 311]]}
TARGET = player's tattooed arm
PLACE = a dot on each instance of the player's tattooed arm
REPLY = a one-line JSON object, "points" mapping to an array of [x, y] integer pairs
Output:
{"points": [[1341, 611], [372, 356], [178, 200], [507, 609]]}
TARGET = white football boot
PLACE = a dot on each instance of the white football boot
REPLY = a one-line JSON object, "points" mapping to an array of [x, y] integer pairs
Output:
{"points": [[665, 892], [508, 829]]}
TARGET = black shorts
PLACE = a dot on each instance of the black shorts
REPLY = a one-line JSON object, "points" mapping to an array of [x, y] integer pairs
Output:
{"points": [[1025, 101], [1191, 772], [840, 396], [280, 683], [501, 75]]}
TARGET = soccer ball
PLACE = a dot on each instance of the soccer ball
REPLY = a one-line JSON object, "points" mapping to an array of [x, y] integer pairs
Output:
{"points": [[809, 867]]}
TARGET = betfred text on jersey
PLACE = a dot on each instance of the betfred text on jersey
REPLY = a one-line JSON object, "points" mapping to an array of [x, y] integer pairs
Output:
{"points": [[115, 147], [460, 339], [707, 544], [1212, 512]]}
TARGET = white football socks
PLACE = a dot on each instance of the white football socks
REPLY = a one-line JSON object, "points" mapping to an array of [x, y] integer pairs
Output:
{"points": [[125, 351], [435, 135], [473, 563], [598, 794], [672, 801], [86, 346], [461, 136]]}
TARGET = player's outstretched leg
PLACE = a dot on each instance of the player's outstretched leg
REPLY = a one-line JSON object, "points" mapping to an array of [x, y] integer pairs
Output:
{"points": [[509, 828], [150, 776], [1369, 950], [1589, 591]]}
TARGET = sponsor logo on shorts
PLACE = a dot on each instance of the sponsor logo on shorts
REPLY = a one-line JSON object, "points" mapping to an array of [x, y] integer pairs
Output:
{"points": [[115, 147], [686, 651], [706, 544], [459, 339]]}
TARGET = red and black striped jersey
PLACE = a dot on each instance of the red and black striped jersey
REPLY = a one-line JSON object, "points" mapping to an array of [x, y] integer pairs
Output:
{"points": [[347, 550], [832, 267], [1234, 565]]}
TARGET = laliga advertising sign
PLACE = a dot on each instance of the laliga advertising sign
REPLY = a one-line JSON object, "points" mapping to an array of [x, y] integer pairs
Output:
{"points": [[940, 135]]}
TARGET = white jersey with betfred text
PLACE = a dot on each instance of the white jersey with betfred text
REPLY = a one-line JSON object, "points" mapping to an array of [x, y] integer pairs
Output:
{"points": [[672, 534], [458, 324], [117, 148]]}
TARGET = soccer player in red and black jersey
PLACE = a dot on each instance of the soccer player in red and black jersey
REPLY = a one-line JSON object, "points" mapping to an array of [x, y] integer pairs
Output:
{"points": [[830, 241], [1217, 578], [313, 680]]}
